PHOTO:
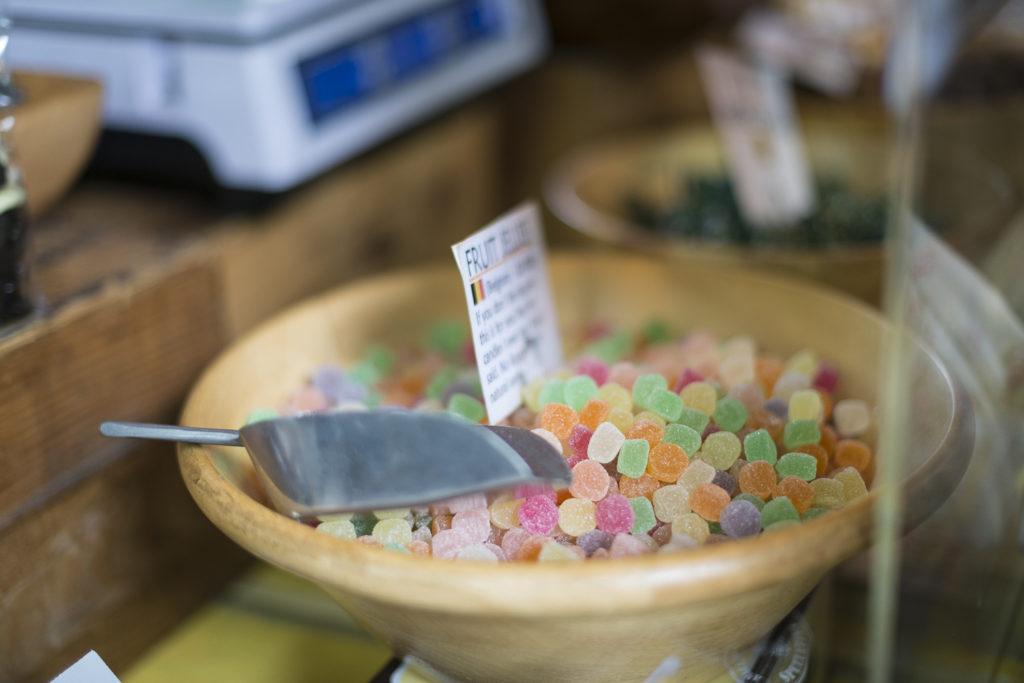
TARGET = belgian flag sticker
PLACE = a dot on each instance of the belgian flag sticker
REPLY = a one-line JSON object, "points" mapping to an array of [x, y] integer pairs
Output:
{"points": [[477, 288]]}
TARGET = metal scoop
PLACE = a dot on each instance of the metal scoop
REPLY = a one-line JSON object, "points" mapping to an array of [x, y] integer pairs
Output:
{"points": [[325, 463]]}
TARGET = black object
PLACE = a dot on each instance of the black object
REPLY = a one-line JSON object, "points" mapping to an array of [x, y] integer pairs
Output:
{"points": [[14, 302]]}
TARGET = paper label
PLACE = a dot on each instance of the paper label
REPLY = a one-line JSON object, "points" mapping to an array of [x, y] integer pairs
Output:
{"points": [[511, 309], [89, 669], [753, 112]]}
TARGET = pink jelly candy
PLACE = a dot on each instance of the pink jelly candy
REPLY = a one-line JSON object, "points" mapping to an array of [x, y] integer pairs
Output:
{"points": [[580, 439], [476, 524], [826, 379], [596, 369], [614, 514], [531, 490], [538, 515], [689, 376]]}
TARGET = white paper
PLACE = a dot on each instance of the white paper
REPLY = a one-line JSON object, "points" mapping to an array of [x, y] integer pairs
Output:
{"points": [[89, 669]]}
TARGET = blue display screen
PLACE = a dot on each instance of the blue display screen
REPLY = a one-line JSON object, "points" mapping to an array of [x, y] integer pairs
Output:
{"points": [[338, 78]]}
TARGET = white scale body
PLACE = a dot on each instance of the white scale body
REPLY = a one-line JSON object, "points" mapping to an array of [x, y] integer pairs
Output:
{"points": [[274, 92]]}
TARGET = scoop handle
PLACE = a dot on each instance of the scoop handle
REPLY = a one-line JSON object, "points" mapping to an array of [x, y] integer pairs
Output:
{"points": [[143, 430]]}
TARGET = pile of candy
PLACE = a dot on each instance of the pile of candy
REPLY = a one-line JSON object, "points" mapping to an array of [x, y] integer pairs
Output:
{"points": [[673, 443]]}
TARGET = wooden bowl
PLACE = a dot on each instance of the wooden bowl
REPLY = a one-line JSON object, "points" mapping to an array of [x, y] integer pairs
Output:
{"points": [[613, 620]]}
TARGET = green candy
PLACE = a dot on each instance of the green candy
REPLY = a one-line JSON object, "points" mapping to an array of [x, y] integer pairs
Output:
{"points": [[552, 392], [750, 497], [657, 332], [715, 528], [364, 523], [758, 445], [778, 510], [578, 390], [665, 403], [694, 419], [780, 525], [381, 358], [632, 461], [797, 465], [730, 414], [446, 337], [440, 381], [685, 437], [611, 348], [812, 513], [466, 406], [801, 433], [643, 515], [261, 414], [364, 373], [645, 385]]}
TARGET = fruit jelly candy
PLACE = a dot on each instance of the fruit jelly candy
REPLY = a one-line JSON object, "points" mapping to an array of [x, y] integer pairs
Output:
{"points": [[685, 437], [616, 396], [531, 547], [740, 519], [496, 535], [757, 502], [622, 419], [589, 481], [466, 406], [730, 414], [549, 437], [715, 528], [781, 525], [853, 484], [720, 450], [336, 386], [498, 552], [829, 439], [576, 516], [650, 417], [827, 404], [645, 384], [767, 370], [736, 369], [805, 404], [476, 552], [613, 483], [592, 540], [819, 453], [688, 376], [740, 463], [458, 387], [670, 502], [811, 513], [336, 517], [778, 407], [759, 478], [441, 522], [852, 417], [799, 492], [513, 540], [441, 380], [594, 413], [595, 368], [579, 440], [614, 514], [769, 421], [666, 462], [828, 493], [531, 393], [693, 525], [578, 390], [446, 336], [562, 494], [476, 524], [627, 545], [560, 419], [788, 383], [393, 530], [632, 461], [657, 331], [804, 362], [749, 394], [697, 473], [633, 487], [555, 552], [708, 501], [798, 465], [538, 515], [612, 347], [799, 432], [665, 403], [725, 481], [524, 491], [364, 523], [662, 534], [643, 515], [446, 544], [700, 396], [758, 445], [624, 374], [422, 521], [421, 534], [553, 391], [852, 453], [418, 547], [694, 419], [739, 344], [778, 510], [605, 443], [342, 528], [647, 430], [826, 378], [392, 513]]}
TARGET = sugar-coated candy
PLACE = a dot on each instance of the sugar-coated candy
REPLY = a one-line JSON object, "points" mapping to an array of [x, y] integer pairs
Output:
{"points": [[688, 376], [767, 370], [740, 519], [829, 439], [594, 413], [736, 368], [576, 516], [806, 404], [670, 502], [605, 443], [828, 493], [553, 391], [826, 378], [440, 522], [800, 432], [342, 528], [476, 552], [595, 368], [819, 453], [700, 396], [578, 390], [476, 524], [759, 479], [754, 500], [622, 419], [447, 544], [661, 534], [853, 484], [614, 514], [579, 439], [708, 501], [531, 548], [623, 374], [799, 492], [698, 472], [788, 383], [466, 406], [685, 437], [538, 515], [720, 450], [666, 404], [632, 461], [647, 430], [634, 487], [645, 384], [804, 362], [852, 453], [777, 407], [643, 515], [627, 545], [419, 547], [392, 513], [759, 445], [594, 539], [421, 534], [852, 417], [364, 523], [710, 429], [730, 414], [531, 393], [694, 419], [666, 462], [725, 481], [393, 530], [616, 396], [650, 417], [693, 525], [513, 540], [826, 405], [589, 481], [559, 419], [778, 510], [556, 552], [797, 464], [749, 394]]}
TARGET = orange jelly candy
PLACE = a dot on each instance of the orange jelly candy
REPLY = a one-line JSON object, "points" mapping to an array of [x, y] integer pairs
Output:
{"points": [[559, 419], [645, 486], [666, 462], [708, 501], [828, 439], [758, 478], [826, 404], [799, 492], [852, 453], [819, 453], [767, 370], [593, 413], [646, 429]]}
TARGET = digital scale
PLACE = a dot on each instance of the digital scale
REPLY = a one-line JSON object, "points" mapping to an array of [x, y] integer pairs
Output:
{"points": [[273, 92]]}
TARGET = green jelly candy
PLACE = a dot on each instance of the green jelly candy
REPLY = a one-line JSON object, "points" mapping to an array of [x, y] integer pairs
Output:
{"points": [[758, 445], [715, 528], [381, 358], [440, 381], [611, 348], [446, 337], [721, 450], [645, 385], [730, 414], [578, 390], [364, 523], [467, 407], [758, 503], [694, 419], [797, 465], [801, 433], [552, 392], [364, 373], [665, 403], [261, 414], [643, 515], [778, 510], [780, 525], [632, 460], [657, 331], [812, 513], [685, 437]]}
